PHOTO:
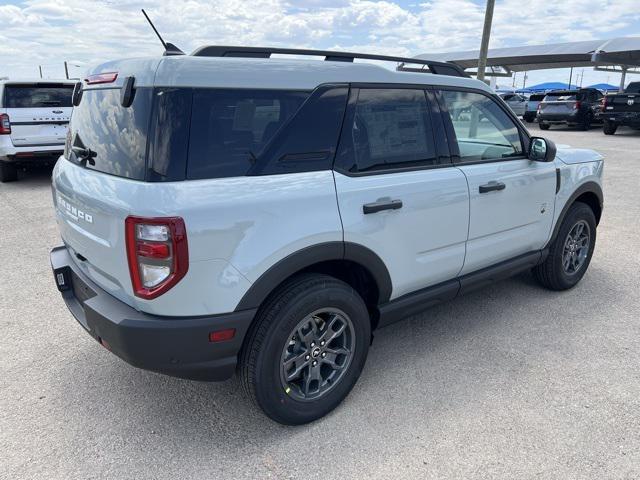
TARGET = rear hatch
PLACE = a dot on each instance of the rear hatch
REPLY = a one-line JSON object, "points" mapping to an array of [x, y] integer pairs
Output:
{"points": [[93, 194], [560, 103], [39, 112]]}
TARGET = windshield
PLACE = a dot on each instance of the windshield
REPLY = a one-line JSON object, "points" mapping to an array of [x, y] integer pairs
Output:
{"points": [[107, 137], [37, 96]]}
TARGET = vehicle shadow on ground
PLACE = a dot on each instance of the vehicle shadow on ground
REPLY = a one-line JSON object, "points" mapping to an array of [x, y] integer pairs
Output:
{"points": [[33, 176], [198, 415]]}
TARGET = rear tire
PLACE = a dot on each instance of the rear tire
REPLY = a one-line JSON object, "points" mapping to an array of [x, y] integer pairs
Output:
{"points": [[569, 256], [292, 381], [609, 128], [8, 172], [544, 126]]}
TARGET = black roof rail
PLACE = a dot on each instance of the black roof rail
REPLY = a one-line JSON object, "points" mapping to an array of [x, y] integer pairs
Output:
{"points": [[439, 68]]}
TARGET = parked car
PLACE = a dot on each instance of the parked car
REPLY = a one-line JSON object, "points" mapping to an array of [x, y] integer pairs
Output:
{"points": [[34, 115], [265, 215], [531, 110], [516, 102], [621, 109], [570, 107]]}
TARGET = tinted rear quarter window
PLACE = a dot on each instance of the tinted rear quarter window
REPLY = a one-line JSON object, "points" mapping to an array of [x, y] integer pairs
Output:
{"points": [[37, 96], [231, 128]]}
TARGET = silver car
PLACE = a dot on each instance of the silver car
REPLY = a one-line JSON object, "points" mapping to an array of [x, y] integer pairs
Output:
{"points": [[517, 103], [264, 215]]}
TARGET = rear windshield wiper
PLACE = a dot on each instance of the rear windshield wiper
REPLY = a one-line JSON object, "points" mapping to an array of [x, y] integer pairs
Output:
{"points": [[84, 155]]}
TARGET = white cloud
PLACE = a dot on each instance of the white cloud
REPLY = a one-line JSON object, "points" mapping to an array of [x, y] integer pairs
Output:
{"points": [[48, 32]]}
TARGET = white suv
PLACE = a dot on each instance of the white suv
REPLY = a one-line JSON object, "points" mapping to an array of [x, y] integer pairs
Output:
{"points": [[225, 210], [34, 115]]}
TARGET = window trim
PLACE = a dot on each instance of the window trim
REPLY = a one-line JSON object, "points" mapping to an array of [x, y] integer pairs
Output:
{"points": [[442, 149], [525, 138]]}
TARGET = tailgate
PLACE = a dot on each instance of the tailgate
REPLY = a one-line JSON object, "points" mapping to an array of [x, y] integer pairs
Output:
{"points": [[90, 211], [35, 127], [626, 102], [557, 107]]}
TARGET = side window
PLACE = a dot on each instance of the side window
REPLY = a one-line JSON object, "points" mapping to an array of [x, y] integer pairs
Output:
{"points": [[483, 130], [391, 128], [308, 143], [230, 128]]}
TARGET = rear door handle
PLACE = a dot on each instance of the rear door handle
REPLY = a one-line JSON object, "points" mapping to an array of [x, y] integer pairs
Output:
{"points": [[381, 205], [492, 186]]}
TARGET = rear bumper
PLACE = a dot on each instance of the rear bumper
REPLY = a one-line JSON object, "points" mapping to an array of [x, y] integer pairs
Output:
{"points": [[28, 154], [559, 118], [177, 346], [631, 119]]}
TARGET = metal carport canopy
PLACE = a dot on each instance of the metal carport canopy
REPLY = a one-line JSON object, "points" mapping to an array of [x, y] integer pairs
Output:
{"points": [[622, 51]]}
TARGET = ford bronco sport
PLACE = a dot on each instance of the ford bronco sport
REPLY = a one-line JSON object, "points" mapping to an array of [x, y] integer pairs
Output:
{"points": [[229, 211]]}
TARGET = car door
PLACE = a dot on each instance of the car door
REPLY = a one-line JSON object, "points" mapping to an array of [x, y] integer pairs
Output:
{"points": [[511, 197], [398, 193]]}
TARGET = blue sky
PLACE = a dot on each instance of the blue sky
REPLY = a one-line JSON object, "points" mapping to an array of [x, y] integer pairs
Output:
{"points": [[85, 32]]}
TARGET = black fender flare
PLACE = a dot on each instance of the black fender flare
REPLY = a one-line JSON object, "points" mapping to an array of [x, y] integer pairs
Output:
{"points": [[311, 255], [587, 187]]}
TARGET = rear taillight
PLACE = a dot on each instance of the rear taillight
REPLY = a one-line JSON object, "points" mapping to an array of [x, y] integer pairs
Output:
{"points": [[603, 104], [576, 105], [157, 253], [5, 124], [108, 77]]}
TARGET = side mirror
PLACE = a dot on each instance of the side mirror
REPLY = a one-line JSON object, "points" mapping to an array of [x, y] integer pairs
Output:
{"points": [[541, 150]]}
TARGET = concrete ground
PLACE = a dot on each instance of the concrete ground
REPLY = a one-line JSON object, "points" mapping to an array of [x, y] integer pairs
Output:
{"points": [[512, 381]]}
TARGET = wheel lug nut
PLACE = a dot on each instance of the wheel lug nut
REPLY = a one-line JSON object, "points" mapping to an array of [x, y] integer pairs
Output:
{"points": [[315, 363], [307, 357], [322, 343], [324, 354], [313, 344]]}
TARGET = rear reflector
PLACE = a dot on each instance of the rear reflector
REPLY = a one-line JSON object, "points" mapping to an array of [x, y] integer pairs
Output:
{"points": [[222, 335], [153, 250], [108, 77], [5, 124]]}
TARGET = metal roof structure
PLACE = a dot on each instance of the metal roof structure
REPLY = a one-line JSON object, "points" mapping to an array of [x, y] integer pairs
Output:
{"points": [[622, 52]]}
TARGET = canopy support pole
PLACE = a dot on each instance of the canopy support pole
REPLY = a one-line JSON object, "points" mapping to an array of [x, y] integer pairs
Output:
{"points": [[623, 78]]}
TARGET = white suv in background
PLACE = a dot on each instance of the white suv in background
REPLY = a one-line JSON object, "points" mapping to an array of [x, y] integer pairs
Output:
{"points": [[226, 211], [34, 115]]}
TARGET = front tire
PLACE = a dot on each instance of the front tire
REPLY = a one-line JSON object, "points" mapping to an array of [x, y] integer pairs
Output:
{"points": [[570, 253], [544, 126], [306, 350]]}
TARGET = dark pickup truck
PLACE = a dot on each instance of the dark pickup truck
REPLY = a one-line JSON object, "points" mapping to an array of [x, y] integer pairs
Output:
{"points": [[621, 109]]}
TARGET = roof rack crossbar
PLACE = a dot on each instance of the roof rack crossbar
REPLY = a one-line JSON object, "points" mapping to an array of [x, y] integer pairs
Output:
{"points": [[440, 68]]}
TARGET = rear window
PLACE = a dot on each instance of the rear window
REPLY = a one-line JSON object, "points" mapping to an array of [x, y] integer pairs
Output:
{"points": [[563, 97], [37, 96], [117, 135], [536, 98], [230, 128]]}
